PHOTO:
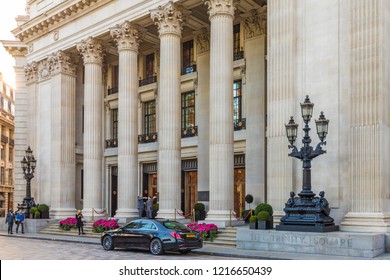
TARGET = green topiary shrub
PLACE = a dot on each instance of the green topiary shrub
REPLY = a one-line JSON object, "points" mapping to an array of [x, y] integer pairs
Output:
{"points": [[263, 216], [37, 214], [264, 207], [33, 210], [43, 208], [199, 206], [252, 219], [249, 198]]}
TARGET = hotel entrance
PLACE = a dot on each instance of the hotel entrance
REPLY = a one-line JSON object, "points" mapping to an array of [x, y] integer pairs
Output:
{"points": [[189, 190], [239, 184], [149, 186], [114, 190]]}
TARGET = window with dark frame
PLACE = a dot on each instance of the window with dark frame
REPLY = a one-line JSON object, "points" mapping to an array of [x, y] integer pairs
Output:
{"points": [[115, 124], [149, 65], [188, 53], [236, 39], [237, 100], [188, 110], [150, 117], [2, 179], [10, 177]]}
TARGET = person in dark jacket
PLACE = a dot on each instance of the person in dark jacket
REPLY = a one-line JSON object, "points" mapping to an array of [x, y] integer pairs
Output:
{"points": [[80, 223], [10, 221], [20, 221], [140, 205], [149, 207]]}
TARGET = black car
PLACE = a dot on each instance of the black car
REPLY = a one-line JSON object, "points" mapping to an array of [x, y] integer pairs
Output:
{"points": [[157, 236]]}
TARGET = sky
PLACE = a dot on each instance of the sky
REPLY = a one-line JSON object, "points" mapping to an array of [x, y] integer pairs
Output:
{"points": [[8, 12]]}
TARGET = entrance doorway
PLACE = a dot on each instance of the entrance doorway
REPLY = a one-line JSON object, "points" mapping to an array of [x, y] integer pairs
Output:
{"points": [[239, 190], [190, 190], [114, 190]]}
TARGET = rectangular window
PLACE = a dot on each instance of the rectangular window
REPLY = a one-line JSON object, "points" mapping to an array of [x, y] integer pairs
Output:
{"points": [[237, 100], [2, 156], [150, 117], [10, 177], [10, 155], [187, 110], [236, 39], [115, 124], [2, 175], [149, 66], [188, 53], [115, 76]]}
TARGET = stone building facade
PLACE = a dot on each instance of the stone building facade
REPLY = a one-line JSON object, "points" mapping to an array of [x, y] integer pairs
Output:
{"points": [[7, 118], [187, 100]]}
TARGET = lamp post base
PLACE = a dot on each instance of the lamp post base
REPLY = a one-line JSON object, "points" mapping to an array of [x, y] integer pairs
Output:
{"points": [[28, 202], [308, 214]]}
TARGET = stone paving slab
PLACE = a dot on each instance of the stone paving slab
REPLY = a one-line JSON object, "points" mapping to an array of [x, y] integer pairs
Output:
{"points": [[209, 249]]}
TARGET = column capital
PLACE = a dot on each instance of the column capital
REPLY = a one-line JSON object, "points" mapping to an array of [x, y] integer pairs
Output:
{"points": [[91, 50], [126, 36], [220, 7], [202, 38], [61, 62], [255, 22], [168, 18], [31, 72]]}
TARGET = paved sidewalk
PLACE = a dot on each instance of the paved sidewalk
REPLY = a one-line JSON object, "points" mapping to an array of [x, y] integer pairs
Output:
{"points": [[207, 249]]}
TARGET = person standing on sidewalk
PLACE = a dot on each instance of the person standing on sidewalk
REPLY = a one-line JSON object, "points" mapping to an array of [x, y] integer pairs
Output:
{"points": [[140, 205], [10, 221], [149, 209], [20, 221], [80, 222]]}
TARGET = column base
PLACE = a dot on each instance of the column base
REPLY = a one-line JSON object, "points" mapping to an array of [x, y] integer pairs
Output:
{"points": [[366, 222], [62, 213], [170, 214], [126, 215]]}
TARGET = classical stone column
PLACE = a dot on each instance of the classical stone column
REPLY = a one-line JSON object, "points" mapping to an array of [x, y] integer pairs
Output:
{"points": [[63, 149], [255, 50], [168, 19], [369, 134], [221, 14], [19, 51], [127, 40], [92, 53], [281, 79]]}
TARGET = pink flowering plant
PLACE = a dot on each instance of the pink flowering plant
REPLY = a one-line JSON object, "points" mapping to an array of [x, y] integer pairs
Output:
{"points": [[103, 225], [206, 230], [68, 223]]}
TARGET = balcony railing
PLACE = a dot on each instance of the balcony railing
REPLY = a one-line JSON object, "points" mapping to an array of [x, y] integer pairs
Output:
{"points": [[238, 55], [239, 124], [147, 138], [111, 143], [188, 69], [189, 132], [4, 139], [112, 90], [147, 81]]}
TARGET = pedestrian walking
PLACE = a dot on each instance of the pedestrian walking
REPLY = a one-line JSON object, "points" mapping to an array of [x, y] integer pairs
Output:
{"points": [[20, 221], [140, 205], [80, 222], [149, 207], [10, 221]]}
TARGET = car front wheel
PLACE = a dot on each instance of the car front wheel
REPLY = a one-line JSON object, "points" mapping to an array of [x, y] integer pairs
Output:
{"points": [[156, 247], [108, 244]]}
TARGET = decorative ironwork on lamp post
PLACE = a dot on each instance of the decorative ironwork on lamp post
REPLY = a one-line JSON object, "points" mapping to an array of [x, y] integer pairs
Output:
{"points": [[28, 166], [306, 212]]}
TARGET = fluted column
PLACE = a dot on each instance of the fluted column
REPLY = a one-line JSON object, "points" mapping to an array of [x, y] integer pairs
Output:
{"points": [[221, 14], [126, 38], [92, 53], [281, 96], [63, 161], [169, 23], [369, 176]]}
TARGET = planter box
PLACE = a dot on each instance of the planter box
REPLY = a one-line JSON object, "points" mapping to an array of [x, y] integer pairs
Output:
{"points": [[265, 224], [253, 225]]}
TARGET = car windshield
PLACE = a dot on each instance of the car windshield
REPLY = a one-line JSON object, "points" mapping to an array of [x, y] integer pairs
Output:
{"points": [[174, 225]]}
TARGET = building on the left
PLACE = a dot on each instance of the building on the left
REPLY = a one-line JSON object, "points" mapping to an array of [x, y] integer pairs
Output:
{"points": [[7, 117]]}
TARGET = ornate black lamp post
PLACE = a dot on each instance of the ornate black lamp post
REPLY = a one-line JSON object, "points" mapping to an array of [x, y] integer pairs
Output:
{"points": [[28, 166], [306, 212]]}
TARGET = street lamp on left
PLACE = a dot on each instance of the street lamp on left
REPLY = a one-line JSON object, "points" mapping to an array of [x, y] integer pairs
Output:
{"points": [[28, 165]]}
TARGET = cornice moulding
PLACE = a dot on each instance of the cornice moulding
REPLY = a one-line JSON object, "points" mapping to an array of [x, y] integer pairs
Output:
{"points": [[55, 18]]}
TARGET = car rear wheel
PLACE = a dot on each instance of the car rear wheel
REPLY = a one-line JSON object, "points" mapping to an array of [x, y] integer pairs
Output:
{"points": [[108, 244], [156, 247]]}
